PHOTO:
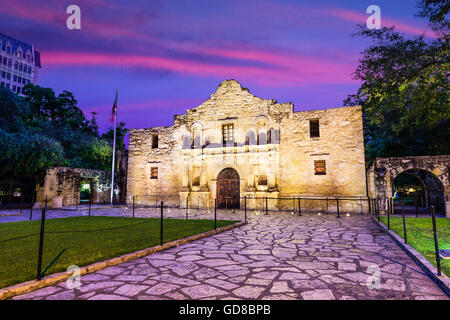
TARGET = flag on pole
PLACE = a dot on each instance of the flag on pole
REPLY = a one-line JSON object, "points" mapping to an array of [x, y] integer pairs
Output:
{"points": [[114, 108], [114, 118]]}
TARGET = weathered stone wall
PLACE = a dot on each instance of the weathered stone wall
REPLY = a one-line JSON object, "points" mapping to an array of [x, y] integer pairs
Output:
{"points": [[65, 182], [383, 171], [122, 174], [341, 145], [272, 151]]}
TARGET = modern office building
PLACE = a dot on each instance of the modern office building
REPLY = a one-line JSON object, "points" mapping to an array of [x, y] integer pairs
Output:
{"points": [[20, 64]]}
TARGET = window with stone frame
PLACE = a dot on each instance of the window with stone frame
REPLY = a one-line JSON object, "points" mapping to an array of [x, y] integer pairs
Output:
{"points": [[320, 167], [314, 130], [228, 133], [154, 173]]}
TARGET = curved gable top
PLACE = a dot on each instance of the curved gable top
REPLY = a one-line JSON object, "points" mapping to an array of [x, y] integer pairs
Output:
{"points": [[231, 100]]}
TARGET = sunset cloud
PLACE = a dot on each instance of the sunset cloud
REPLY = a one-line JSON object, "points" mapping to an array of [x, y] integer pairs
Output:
{"points": [[164, 54], [359, 17], [290, 70]]}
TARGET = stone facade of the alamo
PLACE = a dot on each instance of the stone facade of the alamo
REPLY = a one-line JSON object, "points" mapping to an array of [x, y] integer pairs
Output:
{"points": [[236, 144]]}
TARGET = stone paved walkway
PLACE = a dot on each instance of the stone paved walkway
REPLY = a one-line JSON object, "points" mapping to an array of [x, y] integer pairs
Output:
{"points": [[279, 256], [123, 211]]}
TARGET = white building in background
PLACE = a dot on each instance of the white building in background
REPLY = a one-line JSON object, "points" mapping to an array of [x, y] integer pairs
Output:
{"points": [[20, 64]]}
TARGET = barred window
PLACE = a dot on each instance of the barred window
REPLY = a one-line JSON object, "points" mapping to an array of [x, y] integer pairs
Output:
{"points": [[154, 173], [314, 131], [320, 167], [228, 133]]}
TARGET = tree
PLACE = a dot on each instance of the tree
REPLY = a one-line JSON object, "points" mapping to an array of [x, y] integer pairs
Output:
{"points": [[121, 131], [13, 110], [436, 12], [28, 155], [404, 92], [42, 130]]}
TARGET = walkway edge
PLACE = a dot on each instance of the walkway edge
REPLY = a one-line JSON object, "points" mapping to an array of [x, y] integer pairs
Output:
{"points": [[442, 281], [10, 214], [25, 287]]}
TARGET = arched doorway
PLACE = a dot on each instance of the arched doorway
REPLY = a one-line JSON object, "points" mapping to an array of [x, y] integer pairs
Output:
{"points": [[419, 188], [228, 185]]}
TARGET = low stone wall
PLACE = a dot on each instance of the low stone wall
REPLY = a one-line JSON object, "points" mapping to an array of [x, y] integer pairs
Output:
{"points": [[61, 186]]}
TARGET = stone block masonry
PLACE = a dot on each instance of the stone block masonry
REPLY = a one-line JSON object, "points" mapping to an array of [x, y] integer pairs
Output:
{"points": [[261, 147], [64, 183]]}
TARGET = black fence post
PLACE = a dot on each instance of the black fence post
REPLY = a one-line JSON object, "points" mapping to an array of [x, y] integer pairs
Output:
{"points": [[31, 207], [337, 206], [187, 207], [215, 214], [41, 242], [377, 205], [360, 205], [436, 244], [416, 207], [90, 206], [326, 198], [9, 201], [392, 206], [404, 220], [370, 207], [267, 209], [389, 213], [133, 207], [21, 203], [300, 208], [293, 205], [388, 203], [161, 231], [245, 208]]}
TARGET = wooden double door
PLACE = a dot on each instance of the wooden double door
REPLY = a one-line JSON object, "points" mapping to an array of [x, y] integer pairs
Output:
{"points": [[228, 185]]}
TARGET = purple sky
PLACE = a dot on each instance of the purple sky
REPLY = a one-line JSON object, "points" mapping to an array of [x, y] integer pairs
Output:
{"points": [[168, 56]]}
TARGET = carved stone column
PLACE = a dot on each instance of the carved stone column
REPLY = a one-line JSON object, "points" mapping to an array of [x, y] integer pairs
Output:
{"points": [[185, 187], [251, 178], [203, 184]]}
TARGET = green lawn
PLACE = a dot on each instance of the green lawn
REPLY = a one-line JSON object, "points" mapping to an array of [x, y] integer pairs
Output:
{"points": [[420, 236], [18, 258]]}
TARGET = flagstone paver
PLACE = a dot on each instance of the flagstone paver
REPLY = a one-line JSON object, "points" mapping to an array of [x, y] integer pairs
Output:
{"points": [[279, 256]]}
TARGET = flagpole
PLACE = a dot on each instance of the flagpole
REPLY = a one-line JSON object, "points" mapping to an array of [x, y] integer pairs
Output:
{"points": [[114, 154]]}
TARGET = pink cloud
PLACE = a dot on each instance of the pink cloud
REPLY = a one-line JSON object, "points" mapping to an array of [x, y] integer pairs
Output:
{"points": [[53, 13], [358, 17], [281, 69], [126, 106]]}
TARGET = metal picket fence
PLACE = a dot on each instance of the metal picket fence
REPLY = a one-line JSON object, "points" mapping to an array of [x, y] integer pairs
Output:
{"points": [[49, 239], [399, 209]]}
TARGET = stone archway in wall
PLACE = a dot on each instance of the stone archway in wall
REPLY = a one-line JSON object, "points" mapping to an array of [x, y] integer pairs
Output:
{"points": [[434, 193], [432, 171], [228, 189]]}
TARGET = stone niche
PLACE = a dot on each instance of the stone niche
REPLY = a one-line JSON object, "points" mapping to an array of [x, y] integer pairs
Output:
{"points": [[61, 186]]}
